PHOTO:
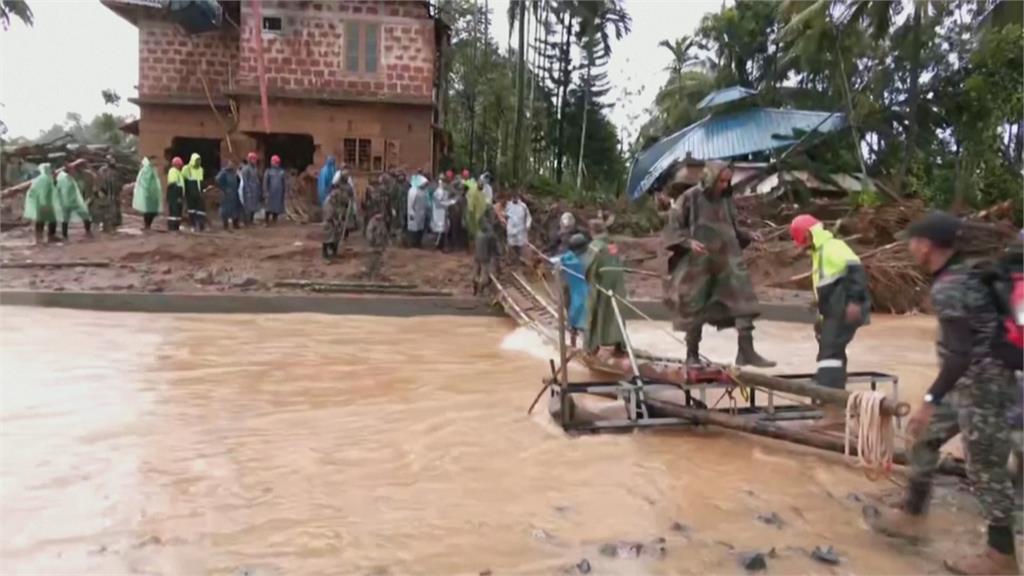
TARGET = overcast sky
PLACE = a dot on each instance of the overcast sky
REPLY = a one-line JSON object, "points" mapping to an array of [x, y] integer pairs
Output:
{"points": [[77, 48]]}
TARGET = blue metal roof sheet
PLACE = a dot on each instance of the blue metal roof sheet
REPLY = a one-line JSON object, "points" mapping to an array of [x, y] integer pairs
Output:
{"points": [[725, 95], [729, 136]]}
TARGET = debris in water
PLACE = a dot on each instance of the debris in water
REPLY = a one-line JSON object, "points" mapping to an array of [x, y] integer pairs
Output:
{"points": [[583, 566], [753, 561], [540, 534], [621, 549], [486, 572], [827, 555], [680, 528], [149, 541], [854, 497], [771, 519]]}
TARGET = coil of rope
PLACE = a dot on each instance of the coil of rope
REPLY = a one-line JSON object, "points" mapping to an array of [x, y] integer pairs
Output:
{"points": [[876, 433]]}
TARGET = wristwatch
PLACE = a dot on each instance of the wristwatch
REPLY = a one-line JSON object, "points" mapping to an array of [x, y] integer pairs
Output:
{"points": [[929, 398]]}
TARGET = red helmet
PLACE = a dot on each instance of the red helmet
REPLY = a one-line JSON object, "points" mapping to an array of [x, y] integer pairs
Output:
{"points": [[449, 174], [275, 160], [252, 156], [177, 163], [800, 229], [465, 174]]}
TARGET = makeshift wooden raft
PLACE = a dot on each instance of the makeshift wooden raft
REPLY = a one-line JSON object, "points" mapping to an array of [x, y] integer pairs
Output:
{"points": [[664, 391]]}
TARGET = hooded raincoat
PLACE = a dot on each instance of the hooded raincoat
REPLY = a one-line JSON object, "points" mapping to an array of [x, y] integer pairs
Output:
{"points": [[41, 204], [252, 189], [604, 270], [712, 287], [417, 204], [230, 202], [476, 203], [71, 205], [193, 176], [146, 197], [275, 183], [518, 222], [175, 196], [323, 183]]}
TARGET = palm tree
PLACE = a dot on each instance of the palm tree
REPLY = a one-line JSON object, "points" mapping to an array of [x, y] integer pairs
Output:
{"points": [[598, 22]]}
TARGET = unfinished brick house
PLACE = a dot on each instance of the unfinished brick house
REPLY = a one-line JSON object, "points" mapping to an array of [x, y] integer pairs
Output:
{"points": [[355, 79]]}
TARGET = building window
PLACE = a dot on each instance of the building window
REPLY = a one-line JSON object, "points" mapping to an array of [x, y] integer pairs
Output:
{"points": [[357, 153], [362, 47], [273, 25]]}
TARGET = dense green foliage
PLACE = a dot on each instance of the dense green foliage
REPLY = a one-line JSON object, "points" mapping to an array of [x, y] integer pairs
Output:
{"points": [[934, 90]]}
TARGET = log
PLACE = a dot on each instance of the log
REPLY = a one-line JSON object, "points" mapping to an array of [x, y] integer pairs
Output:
{"points": [[661, 408], [381, 285], [362, 290], [808, 390], [83, 263]]}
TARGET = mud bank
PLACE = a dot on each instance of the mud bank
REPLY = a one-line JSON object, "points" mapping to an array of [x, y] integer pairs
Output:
{"points": [[388, 306]]}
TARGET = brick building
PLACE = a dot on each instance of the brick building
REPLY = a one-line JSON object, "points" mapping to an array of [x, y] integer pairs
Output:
{"points": [[356, 79]]}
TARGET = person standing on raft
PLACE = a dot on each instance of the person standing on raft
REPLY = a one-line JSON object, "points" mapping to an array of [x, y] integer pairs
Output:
{"points": [[607, 280], [709, 282]]}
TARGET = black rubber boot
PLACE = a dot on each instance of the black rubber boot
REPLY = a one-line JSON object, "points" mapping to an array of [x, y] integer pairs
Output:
{"points": [[747, 356], [692, 353], [919, 494]]}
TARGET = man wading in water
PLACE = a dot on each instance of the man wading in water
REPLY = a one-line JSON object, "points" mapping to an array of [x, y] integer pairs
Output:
{"points": [[709, 283], [972, 395]]}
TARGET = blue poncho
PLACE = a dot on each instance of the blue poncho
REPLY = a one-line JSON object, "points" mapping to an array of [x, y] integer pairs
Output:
{"points": [[576, 279], [323, 184]]}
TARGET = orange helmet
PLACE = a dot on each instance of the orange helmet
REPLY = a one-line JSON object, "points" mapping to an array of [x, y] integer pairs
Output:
{"points": [[800, 229]]}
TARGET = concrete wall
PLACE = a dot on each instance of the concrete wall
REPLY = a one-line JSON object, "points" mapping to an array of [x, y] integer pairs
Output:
{"points": [[307, 57]]}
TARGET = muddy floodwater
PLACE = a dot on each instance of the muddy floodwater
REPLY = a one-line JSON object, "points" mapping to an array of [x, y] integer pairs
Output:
{"points": [[306, 444]]}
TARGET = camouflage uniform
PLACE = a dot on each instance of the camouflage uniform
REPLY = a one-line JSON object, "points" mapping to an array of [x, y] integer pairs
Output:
{"points": [[715, 287], [977, 406], [336, 217], [377, 237], [107, 204]]}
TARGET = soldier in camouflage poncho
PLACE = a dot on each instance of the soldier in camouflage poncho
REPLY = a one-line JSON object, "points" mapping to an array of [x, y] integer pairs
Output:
{"points": [[709, 283], [971, 395]]}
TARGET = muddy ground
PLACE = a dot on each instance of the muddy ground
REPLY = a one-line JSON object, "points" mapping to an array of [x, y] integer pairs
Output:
{"points": [[253, 259]]}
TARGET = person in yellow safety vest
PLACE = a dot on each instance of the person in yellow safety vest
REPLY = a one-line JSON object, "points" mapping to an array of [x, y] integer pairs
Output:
{"points": [[175, 195], [841, 292], [195, 206]]}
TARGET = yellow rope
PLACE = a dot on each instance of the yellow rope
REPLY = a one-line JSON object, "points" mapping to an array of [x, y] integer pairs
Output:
{"points": [[875, 432]]}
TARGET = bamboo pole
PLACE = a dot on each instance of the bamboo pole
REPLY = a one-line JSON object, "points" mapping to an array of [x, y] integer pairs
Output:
{"points": [[563, 379]]}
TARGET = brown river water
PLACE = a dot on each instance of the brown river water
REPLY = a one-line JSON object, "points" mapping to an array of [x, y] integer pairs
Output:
{"points": [[307, 444]]}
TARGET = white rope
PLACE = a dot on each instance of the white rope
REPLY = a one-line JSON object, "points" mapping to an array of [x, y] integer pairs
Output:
{"points": [[875, 432]]}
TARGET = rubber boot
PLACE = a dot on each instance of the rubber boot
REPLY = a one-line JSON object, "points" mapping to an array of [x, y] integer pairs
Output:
{"points": [[988, 561], [692, 353], [747, 356]]}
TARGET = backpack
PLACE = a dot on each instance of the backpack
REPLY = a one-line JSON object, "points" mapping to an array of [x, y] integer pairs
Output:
{"points": [[1005, 283]]}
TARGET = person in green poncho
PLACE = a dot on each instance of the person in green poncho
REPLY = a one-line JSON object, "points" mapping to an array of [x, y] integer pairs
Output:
{"points": [[71, 202], [604, 270], [41, 204], [475, 205], [146, 197]]}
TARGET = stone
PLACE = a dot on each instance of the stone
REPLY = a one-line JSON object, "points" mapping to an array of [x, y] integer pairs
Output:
{"points": [[753, 561], [247, 282], [621, 549], [826, 555], [771, 519], [583, 566], [203, 277]]}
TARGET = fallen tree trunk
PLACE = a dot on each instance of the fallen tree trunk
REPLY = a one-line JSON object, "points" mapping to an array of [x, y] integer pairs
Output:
{"points": [[83, 263], [381, 285], [661, 408], [808, 390], [364, 290]]}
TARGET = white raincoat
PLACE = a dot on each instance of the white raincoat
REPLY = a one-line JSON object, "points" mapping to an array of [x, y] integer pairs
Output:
{"points": [[518, 222]]}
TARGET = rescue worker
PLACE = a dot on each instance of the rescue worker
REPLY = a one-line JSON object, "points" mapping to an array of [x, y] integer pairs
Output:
{"points": [[397, 198], [486, 187], [108, 197], [574, 284], [175, 195], [336, 209], [192, 173], [439, 214], [146, 195], [326, 179], [517, 224], [708, 282], [971, 395], [475, 205], [229, 184], [377, 238], [605, 275], [275, 185], [486, 252], [252, 189], [457, 236], [416, 210], [72, 204], [840, 289], [41, 203]]}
